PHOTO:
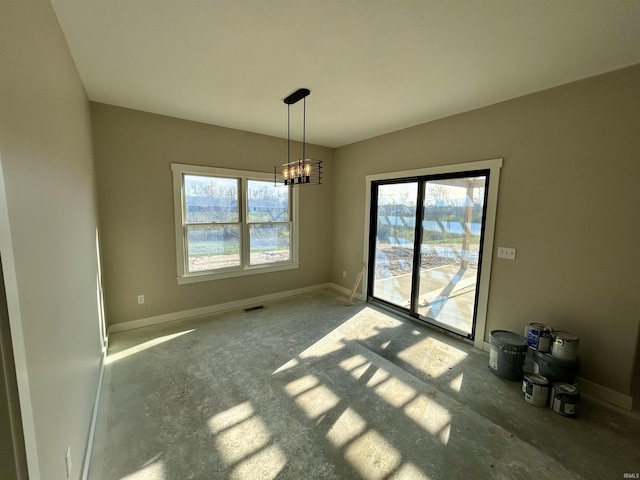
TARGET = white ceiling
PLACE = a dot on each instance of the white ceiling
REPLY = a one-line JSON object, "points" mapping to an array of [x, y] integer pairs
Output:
{"points": [[373, 66]]}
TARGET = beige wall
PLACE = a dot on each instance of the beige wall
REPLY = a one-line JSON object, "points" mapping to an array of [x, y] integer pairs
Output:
{"points": [[134, 151], [568, 201], [48, 241]]}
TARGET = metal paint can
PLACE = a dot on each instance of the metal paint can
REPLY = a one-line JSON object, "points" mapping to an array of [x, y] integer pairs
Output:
{"points": [[564, 399], [564, 345], [539, 336], [555, 369], [535, 389]]}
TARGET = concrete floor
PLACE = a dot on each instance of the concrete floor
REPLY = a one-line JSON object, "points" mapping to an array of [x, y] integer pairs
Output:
{"points": [[309, 388]]}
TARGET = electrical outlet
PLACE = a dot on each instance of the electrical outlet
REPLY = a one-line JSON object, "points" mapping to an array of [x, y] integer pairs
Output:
{"points": [[344, 274], [140, 299], [67, 459], [506, 252]]}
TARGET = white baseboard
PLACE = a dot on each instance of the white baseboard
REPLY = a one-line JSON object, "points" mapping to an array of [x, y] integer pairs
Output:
{"points": [[210, 309], [596, 390], [94, 420], [606, 394], [346, 291]]}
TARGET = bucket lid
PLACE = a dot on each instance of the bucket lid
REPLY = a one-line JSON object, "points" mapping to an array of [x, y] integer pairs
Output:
{"points": [[536, 379], [504, 337], [566, 336], [565, 388]]}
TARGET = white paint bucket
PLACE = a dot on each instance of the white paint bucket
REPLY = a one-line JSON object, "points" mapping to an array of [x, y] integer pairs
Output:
{"points": [[535, 389], [506, 355], [538, 337], [564, 399], [564, 345]]}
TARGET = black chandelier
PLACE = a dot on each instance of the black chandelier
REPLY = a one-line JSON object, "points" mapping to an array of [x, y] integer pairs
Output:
{"points": [[303, 171]]}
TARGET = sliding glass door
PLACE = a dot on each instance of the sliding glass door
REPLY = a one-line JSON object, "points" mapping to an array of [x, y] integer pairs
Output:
{"points": [[426, 246]]}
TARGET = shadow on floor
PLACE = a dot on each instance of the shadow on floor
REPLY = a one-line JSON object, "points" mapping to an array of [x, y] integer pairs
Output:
{"points": [[310, 388]]}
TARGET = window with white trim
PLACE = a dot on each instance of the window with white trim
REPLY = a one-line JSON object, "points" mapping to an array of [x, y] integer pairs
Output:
{"points": [[231, 223]]}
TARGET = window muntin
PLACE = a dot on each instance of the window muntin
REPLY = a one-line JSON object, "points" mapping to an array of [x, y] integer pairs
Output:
{"points": [[232, 223]]}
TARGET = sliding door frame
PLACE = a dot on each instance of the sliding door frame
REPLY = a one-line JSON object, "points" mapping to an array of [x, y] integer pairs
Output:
{"points": [[493, 166]]}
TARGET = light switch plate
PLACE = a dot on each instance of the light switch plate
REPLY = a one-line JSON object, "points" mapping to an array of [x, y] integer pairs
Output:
{"points": [[507, 252]]}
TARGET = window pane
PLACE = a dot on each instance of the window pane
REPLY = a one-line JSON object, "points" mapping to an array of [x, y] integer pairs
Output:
{"points": [[453, 213], [211, 199], [267, 203], [396, 221], [210, 247], [269, 243]]}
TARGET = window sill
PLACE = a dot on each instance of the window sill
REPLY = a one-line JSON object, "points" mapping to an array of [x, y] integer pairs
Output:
{"points": [[256, 270]]}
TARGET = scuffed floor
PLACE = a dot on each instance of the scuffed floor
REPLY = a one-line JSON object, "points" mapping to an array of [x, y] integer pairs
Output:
{"points": [[309, 388]]}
